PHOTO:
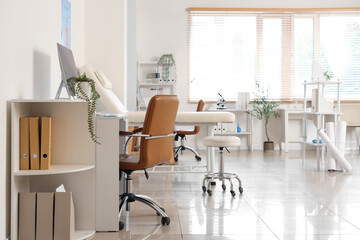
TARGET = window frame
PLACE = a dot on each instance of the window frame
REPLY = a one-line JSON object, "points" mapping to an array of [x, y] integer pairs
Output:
{"points": [[266, 13]]}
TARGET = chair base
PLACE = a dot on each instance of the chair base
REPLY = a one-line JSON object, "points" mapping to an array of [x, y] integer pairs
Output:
{"points": [[128, 197], [182, 147], [222, 176], [209, 178]]}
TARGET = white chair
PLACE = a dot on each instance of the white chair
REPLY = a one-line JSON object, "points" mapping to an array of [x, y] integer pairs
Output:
{"points": [[221, 142]]}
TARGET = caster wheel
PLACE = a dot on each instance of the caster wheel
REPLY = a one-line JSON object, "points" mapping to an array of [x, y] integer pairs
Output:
{"points": [[213, 183], [204, 188], [232, 193], [198, 158], [165, 221], [241, 190], [209, 192], [223, 187], [176, 159], [121, 225], [162, 210]]}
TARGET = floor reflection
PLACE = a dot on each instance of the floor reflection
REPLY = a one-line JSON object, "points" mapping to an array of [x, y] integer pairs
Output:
{"points": [[284, 198]]}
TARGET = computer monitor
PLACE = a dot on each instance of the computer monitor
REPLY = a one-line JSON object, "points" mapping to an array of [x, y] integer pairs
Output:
{"points": [[68, 70]]}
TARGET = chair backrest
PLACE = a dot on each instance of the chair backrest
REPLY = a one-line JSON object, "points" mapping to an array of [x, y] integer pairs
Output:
{"points": [[159, 120], [200, 107]]}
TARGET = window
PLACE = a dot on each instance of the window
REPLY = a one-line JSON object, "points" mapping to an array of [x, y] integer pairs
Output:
{"points": [[230, 50]]}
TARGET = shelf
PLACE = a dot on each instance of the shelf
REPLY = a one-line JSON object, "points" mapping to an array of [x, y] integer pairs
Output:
{"points": [[233, 133], [322, 83], [55, 169], [72, 152], [322, 113], [314, 144], [296, 141], [148, 63], [110, 115], [301, 111], [146, 85], [229, 110], [62, 100]]}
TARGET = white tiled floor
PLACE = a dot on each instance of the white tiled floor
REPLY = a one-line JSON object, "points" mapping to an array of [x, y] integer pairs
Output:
{"points": [[282, 199]]}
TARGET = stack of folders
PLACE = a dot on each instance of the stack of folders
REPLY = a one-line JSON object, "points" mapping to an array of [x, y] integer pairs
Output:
{"points": [[43, 217], [35, 143]]}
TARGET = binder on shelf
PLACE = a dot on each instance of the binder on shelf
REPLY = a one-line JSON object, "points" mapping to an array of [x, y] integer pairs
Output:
{"points": [[34, 143], [64, 220], [24, 144], [44, 215], [45, 159], [27, 202]]}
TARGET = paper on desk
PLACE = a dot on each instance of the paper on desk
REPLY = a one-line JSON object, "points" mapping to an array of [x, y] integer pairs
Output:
{"points": [[61, 188]]}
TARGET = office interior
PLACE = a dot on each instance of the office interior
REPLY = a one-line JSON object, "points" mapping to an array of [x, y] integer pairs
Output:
{"points": [[286, 195]]}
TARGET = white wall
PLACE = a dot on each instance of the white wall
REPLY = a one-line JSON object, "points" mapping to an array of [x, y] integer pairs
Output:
{"points": [[163, 29], [29, 68], [131, 54], [105, 44]]}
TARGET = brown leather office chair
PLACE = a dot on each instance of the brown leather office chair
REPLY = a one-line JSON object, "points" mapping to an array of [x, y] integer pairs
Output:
{"points": [[182, 135], [155, 148]]}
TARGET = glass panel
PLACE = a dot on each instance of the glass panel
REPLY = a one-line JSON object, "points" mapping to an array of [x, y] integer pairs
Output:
{"points": [[271, 59], [222, 56], [340, 53], [303, 55]]}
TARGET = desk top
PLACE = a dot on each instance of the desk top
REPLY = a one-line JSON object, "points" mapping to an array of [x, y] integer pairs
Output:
{"points": [[189, 117], [301, 111]]}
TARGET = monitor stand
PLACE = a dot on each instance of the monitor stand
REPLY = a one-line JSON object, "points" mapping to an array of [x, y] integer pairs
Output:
{"points": [[63, 84]]}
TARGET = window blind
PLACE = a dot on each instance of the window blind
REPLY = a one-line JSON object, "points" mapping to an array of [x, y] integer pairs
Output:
{"points": [[230, 50]]}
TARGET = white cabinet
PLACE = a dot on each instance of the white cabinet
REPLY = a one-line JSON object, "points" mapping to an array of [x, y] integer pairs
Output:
{"points": [[147, 88], [107, 171], [245, 122], [322, 112], [72, 163], [318, 116]]}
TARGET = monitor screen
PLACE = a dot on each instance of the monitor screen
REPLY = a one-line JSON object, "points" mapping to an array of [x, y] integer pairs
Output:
{"points": [[68, 70], [67, 63]]}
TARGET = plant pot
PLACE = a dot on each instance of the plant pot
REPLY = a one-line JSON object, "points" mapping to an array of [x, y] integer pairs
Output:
{"points": [[86, 88], [268, 146]]}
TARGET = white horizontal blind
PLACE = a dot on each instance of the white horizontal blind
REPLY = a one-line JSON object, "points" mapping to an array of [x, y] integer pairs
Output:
{"points": [[340, 52], [222, 54], [230, 50]]}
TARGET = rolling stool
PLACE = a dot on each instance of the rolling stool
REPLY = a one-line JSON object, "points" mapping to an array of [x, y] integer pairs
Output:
{"points": [[221, 142]]}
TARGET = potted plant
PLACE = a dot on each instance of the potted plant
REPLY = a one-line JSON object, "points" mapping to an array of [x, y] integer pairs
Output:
{"points": [[167, 67], [84, 89], [327, 75], [264, 109]]}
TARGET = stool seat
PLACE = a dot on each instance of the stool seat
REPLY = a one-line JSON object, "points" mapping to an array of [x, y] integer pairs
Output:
{"points": [[222, 141]]}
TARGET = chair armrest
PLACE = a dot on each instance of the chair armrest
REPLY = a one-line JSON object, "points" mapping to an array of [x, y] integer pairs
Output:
{"points": [[160, 136], [137, 130], [147, 136], [125, 133], [128, 133]]}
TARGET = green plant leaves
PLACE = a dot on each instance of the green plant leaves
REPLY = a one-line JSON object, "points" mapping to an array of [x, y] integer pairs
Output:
{"points": [[263, 107], [91, 101]]}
